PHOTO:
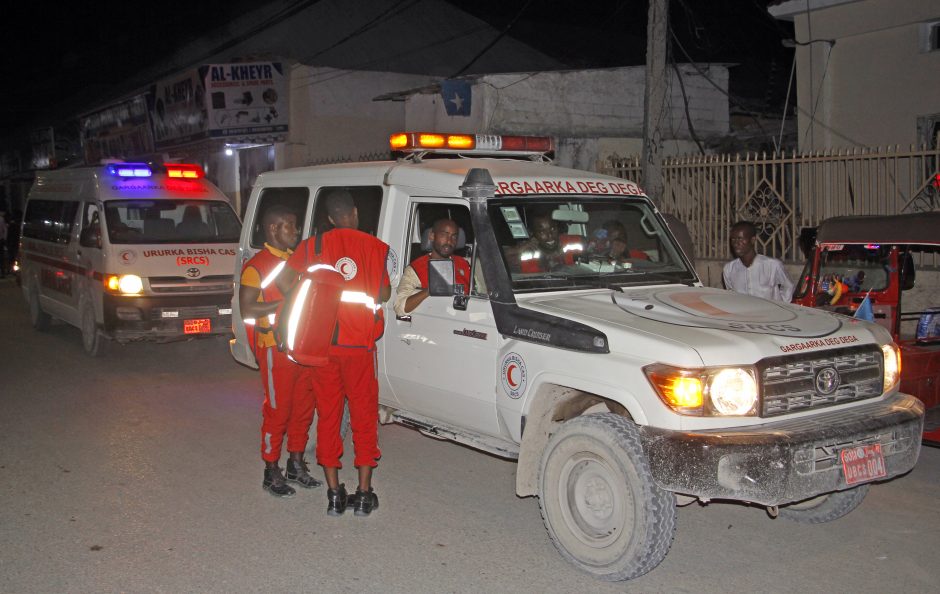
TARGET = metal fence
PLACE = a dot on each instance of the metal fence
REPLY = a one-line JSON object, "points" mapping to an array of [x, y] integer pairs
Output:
{"points": [[782, 194]]}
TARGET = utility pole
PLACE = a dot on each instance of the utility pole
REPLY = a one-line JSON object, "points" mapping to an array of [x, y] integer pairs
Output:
{"points": [[654, 100]]}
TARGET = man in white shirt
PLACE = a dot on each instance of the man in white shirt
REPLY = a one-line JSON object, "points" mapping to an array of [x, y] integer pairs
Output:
{"points": [[752, 273]]}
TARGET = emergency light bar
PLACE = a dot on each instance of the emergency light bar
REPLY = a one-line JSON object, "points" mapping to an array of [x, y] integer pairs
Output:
{"points": [[129, 170], [413, 142], [184, 170]]}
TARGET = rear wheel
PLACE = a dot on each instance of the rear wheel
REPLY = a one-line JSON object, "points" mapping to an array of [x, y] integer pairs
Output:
{"points": [[602, 509], [92, 341], [37, 317], [825, 508]]}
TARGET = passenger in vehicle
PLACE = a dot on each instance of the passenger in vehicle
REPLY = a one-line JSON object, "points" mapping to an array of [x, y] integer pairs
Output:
{"points": [[289, 399], [413, 288], [547, 250], [610, 243], [192, 225], [752, 273]]}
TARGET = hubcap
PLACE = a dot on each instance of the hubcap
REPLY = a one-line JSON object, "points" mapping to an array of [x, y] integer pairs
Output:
{"points": [[593, 502]]}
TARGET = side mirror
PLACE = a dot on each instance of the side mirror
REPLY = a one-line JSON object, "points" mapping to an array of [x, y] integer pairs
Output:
{"points": [[90, 237], [441, 278], [907, 272]]}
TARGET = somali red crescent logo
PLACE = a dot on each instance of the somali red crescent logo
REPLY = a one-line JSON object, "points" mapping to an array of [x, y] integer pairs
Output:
{"points": [[513, 375], [509, 376], [347, 267]]}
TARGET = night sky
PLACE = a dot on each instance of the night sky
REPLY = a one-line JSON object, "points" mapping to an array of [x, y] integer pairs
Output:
{"points": [[54, 49]]}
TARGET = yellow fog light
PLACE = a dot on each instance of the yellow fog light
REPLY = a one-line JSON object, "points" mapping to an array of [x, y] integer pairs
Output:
{"points": [[125, 284]]}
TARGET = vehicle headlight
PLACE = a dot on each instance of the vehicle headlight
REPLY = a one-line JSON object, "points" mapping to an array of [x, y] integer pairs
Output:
{"points": [[125, 284], [719, 391], [892, 356]]}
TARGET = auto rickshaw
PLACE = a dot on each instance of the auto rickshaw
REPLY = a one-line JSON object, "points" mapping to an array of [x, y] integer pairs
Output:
{"points": [[877, 257]]}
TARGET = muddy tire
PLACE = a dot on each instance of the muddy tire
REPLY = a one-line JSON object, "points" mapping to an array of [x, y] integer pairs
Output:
{"points": [[92, 340], [38, 318], [825, 508], [602, 509]]}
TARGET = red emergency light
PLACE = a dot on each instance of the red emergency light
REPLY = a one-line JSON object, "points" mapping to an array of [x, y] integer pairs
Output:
{"points": [[493, 144], [184, 170]]}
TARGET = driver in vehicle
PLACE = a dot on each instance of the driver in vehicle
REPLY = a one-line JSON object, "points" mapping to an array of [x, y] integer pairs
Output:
{"points": [[547, 249], [413, 288]]}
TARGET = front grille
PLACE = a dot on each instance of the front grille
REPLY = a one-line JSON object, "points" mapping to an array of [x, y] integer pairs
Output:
{"points": [[789, 383], [182, 284], [185, 313]]}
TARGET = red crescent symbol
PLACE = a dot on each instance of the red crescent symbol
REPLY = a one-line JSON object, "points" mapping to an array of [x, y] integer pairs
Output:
{"points": [[694, 301], [509, 370], [343, 268], [125, 256]]}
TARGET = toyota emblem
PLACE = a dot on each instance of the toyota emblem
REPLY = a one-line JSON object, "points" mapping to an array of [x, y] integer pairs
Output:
{"points": [[193, 272], [827, 381]]}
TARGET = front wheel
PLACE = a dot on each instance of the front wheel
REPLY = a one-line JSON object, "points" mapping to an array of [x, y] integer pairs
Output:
{"points": [[825, 508], [37, 317], [602, 509], [92, 341]]}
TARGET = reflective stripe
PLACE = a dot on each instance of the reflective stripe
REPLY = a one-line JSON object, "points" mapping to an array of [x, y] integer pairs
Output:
{"points": [[271, 318], [271, 395], [273, 275], [360, 297], [316, 267], [267, 443], [526, 256], [573, 246], [295, 313], [250, 321]]}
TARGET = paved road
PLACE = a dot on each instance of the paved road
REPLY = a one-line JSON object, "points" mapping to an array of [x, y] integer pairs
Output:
{"points": [[140, 473]]}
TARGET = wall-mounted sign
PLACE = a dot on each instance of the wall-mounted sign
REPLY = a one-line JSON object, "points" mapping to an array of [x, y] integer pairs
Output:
{"points": [[119, 131], [178, 109], [247, 101]]}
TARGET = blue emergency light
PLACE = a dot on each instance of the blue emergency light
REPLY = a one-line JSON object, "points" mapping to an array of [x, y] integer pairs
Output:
{"points": [[130, 170]]}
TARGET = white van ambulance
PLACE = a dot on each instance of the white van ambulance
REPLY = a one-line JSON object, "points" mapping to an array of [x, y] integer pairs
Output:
{"points": [[610, 373], [129, 251]]}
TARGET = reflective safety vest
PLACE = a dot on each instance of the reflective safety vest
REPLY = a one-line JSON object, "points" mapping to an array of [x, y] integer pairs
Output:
{"points": [[269, 266], [361, 259], [532, 260]]}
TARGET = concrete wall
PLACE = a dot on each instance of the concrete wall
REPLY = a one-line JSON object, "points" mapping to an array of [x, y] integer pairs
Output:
{"points": [[333, 117], [593, 113], [879, 79]]}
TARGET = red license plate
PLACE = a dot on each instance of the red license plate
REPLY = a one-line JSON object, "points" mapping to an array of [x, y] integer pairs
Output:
{"points": [[863, 463], [200, 326]]}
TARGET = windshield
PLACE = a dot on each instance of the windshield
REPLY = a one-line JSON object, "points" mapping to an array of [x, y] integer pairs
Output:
{"points": [[171, 221], [860, 268], [576, 242]]}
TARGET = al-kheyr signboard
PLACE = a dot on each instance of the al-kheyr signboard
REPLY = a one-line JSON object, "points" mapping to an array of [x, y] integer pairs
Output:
{"points": [[241, 102], [247, 101]]}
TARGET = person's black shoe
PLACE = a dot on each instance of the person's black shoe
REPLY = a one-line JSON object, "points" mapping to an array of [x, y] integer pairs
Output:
{"points": [[274, 483], [363, 502], [338, 500], [297, 472]]}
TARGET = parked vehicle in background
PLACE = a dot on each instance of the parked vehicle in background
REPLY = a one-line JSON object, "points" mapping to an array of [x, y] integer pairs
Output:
{"points": [[877, 257], [129, 251]]}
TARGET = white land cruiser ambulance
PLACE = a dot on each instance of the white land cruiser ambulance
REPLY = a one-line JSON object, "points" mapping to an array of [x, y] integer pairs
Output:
{"points": [[129, 251], [612, 375]]}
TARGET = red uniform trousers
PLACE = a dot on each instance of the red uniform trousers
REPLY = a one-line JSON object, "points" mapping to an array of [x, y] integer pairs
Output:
{"points": [[289, 402], [350, 372]]}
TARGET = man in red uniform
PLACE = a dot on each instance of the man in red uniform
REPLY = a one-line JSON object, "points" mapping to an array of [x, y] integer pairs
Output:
{"points": [[288, 395], [361, 259], [413, 288], [547, 250]]}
